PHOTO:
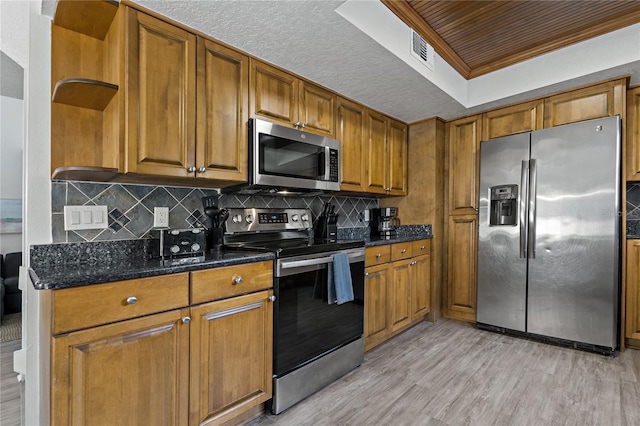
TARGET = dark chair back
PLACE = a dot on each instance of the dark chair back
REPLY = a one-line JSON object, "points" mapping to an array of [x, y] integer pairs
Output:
{"points": [[12, 263]]}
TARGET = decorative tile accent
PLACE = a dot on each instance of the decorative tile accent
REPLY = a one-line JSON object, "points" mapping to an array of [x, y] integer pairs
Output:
{"points": [[130, 208], [633, 211]]}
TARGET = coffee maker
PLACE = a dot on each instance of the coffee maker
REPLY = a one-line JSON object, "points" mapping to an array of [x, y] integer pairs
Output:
{"points": [[383, 221]]}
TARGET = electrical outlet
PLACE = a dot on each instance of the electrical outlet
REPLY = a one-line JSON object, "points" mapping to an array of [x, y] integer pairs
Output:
{"points": [[161, 217], [85, 217]]}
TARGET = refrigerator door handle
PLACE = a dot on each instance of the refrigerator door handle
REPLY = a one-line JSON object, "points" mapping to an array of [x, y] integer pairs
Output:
{"points": [[524, 197], [531, 238]]}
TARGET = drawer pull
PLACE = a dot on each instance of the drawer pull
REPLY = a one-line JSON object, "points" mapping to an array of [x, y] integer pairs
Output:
{"points": [[186, 320], [272, 298], [378, 256], [237, 279], [366, 274], [421, 247], [131, 300], [403, 251]]}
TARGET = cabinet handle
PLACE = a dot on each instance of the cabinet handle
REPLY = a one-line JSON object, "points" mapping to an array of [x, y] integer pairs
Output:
{"points": [[366, 274], [297, 124], [378, 256], [303, 125], [421, 247], [186, 320], [237, 279], [202, 169], [403, 251], [191, 169], [131, 300], [272, 298]]}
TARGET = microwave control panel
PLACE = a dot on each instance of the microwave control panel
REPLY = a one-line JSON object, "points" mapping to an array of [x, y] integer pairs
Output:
{"points": [[333, 165]]}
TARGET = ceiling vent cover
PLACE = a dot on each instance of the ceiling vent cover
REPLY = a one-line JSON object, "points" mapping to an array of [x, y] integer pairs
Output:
{"points": [[422, 50]]}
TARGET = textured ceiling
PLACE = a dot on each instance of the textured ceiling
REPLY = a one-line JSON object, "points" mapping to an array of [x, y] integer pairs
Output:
{"points": [[309, 38]]}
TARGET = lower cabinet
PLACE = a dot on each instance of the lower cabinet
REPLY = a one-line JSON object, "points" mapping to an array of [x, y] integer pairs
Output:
{"points": [[397, 289], [157, 364], [463, 255], [632, 295]]}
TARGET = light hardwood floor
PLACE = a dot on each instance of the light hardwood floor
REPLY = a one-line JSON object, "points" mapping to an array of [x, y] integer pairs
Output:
{"points": [[10, 388], [451, 373]]}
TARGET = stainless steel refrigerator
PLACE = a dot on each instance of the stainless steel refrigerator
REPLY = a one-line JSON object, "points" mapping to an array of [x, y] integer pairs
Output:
{"points": [[549, 233]]}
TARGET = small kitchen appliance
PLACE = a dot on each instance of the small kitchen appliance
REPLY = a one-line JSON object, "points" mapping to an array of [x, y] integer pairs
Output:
{"points": [[383, 221], [182, 245], [314, 342]]}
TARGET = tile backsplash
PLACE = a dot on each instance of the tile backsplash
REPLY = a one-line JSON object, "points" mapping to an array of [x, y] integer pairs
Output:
{"points": [[633, 210], [130, 208]]}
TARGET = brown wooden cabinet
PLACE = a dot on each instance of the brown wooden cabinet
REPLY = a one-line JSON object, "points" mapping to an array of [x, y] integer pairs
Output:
{"points": [[283, 98], [144, 356], [597, 101], [462, 272], [464, 164], [231, 357], [397, 289], [632, 295], [396, 158], [351, 132], [386, 153], [519, 118], [633, 134]]}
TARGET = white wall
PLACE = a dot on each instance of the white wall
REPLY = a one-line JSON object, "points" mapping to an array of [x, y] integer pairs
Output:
{"points": [[11, 148]]}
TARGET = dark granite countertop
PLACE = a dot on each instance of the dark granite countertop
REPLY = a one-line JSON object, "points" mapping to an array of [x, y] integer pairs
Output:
{"points": [[380, 241], [404, 233], [50, 271]]}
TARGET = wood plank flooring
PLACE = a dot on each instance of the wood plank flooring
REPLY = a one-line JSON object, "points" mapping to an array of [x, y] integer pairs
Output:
{"points": [[10, 388], [451, 373]]}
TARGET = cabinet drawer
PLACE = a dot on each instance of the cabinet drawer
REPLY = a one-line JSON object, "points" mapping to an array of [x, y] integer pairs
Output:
{"points": [[219, 283], [82, 307], [420, 247], [378, 255], [401, 251]]}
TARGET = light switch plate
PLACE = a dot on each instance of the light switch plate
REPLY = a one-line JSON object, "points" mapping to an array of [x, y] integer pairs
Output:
{"points": [[85, 217]]}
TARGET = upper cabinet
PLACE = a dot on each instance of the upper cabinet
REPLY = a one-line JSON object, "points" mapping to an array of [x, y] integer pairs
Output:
{"points": [[601, 100], [386, 154], [283, 98], [351, 132], [507, 121], [633, 134], [464, 159]]}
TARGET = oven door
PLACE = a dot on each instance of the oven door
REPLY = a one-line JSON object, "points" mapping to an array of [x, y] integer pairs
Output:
{"points": [[306, 326]]}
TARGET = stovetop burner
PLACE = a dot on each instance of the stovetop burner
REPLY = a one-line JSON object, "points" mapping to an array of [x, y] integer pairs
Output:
{"points": [[285, 232]]}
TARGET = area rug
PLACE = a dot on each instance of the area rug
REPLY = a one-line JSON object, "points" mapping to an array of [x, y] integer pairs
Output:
{"points": [[11, 328]]}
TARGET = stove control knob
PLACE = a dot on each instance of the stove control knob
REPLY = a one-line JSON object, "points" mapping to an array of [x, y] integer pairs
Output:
{"points": [[237, 218], [295, 217], [195, 247], [174, 249], [249, 218], [305, 217]]}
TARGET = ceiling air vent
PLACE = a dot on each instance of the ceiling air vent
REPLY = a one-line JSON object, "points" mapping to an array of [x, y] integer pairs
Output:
{"points": [[422, 50]]}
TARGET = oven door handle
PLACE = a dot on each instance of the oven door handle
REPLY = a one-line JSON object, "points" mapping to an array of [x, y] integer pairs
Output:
{"points": [[353, 257]]}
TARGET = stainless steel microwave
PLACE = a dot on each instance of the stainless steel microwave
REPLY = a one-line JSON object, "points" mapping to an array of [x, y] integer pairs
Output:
{"points": [[283, 158]]}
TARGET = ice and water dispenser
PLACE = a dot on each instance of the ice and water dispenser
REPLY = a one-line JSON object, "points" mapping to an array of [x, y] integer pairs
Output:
{"points": [[504, 205]]}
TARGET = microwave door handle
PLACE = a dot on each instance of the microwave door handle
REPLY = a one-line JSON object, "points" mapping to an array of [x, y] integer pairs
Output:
{"points": [[322, 164]]}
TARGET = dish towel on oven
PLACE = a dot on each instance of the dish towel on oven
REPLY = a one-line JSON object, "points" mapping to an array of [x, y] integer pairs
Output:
{"points": [[339, 280]]}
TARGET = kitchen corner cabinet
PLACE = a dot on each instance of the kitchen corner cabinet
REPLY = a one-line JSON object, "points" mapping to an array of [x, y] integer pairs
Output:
{"points": [[281, 97], [386, 155], [351, 132], [633, 134], [145, 356], [464, 164], [632, 295], [397, 289]]}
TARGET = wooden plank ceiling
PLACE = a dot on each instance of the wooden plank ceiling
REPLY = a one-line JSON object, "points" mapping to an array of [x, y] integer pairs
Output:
{"points": [[478, 37]]}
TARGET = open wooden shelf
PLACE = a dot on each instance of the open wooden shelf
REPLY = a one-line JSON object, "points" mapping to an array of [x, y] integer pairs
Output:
{"points": [[90, 17], [85, 93]]}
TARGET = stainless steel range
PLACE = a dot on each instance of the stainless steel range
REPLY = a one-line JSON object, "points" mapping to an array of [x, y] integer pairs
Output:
{"points": [[315, 342]]}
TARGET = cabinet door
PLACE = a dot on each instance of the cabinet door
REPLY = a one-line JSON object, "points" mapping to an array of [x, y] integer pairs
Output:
{"points": [[397, 158], [464, 159], [223, 98], [131, 372], [519, 118], [351, 133], [161, 102], [400, 293], [632, 302], [376, 149], [317, 109], [231, 357], [420, 286], [633, 134], [273, 94], [463, 256], [602, 100], [376, 300]]}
